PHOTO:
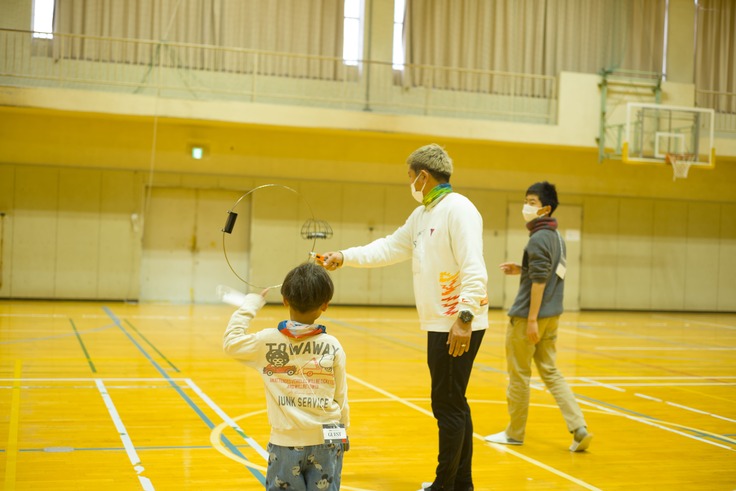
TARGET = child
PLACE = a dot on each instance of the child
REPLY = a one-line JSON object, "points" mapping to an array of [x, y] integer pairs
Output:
{"points": [[303, 370], [534, 316]]}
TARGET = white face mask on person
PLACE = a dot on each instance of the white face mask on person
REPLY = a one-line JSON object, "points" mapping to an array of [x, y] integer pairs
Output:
{"points": [[417, 195], [530, 212]]}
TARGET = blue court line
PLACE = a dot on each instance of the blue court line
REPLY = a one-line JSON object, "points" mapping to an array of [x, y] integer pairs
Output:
{"points": [[152, 346], [84, 348], [261, 478]]}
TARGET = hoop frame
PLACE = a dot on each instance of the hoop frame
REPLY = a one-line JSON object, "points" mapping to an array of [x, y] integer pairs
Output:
{"points": [[245, 195]]}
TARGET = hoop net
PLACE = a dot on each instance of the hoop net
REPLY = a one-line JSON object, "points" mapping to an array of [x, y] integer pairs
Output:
{"points": [[680, 163]]}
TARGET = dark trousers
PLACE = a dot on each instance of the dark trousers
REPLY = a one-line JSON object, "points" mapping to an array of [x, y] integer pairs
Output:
{"points": [[450, 378]]}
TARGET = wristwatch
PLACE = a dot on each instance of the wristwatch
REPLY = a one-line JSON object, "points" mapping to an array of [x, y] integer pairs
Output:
{"points": [[466, 316]]}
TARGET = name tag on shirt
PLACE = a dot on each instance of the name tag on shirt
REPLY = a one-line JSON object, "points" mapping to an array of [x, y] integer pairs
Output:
{"points": [[561, 269], [334, 433]]}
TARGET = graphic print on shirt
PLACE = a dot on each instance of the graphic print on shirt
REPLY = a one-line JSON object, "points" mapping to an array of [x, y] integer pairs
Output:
{"points": [[449, 284], [323, 366], [306, 369], [277, 363]]}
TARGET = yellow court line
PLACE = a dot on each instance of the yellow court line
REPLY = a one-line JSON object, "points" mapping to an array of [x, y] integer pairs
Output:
{"points": [[11, 452]]}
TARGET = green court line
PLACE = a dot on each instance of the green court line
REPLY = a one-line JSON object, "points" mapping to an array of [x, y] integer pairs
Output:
{"points": [[151, 345], [84, 348]]}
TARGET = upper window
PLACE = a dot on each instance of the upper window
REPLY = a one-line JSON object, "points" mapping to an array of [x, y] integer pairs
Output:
{"points": [[43, 19], [352, 40], [398, 55]]}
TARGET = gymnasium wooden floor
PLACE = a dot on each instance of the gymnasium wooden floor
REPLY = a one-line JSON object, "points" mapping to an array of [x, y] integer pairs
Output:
{"points": [[120, 396]]}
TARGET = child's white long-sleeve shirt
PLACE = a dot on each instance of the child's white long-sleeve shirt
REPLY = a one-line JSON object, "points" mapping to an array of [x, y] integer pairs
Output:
{"points": [[304, 376], [445, 243]]}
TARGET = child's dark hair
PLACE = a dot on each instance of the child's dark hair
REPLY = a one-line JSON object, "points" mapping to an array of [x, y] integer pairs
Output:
{"points": [[547, 194], [307, 287]]}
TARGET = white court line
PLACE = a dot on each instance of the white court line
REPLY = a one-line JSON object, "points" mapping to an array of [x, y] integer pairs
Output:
{"points": [[669, 377], [127, 442], [723, 418], [667, 384], [500, 448], [652, 423], [688, 408], [690, 321], [607, 386], [578, 333], [644, 396], [227, 419], [660, 348]]}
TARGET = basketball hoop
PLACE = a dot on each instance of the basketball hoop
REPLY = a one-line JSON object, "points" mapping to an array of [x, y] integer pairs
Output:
{"points": [[680, 163]]}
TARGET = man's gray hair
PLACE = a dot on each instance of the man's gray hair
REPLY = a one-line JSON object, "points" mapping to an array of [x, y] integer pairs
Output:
{"points": [[431, 157]]}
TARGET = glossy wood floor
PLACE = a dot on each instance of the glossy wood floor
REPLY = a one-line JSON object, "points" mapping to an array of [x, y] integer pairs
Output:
{"points": [[123, 397]]}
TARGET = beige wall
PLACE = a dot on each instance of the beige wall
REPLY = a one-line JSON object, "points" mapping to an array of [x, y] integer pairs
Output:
{"points": [[73, 233]]}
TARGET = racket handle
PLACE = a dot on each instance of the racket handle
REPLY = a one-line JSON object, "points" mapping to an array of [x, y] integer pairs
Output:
{"points": [[230, 224], [317, 257]]}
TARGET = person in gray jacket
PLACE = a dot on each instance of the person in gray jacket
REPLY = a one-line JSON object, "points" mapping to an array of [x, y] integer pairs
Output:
{"points": [[533, 320]]}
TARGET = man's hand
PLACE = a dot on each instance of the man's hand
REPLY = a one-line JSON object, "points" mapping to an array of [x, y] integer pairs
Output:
{"points": [[532, 331], [332, 260], [459, 337], [510, 268]]}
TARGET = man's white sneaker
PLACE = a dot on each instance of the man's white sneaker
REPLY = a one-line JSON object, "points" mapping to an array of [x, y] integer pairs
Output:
{"points": [[580, 439], [425, 485], [503, 439]]}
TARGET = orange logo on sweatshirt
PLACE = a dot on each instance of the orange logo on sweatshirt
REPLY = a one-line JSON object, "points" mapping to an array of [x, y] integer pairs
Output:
{"points": [[449, 284]]}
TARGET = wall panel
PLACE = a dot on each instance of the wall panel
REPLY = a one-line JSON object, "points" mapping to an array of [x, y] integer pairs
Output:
{"points": [[121, 229], [634, 254], [492, 207], [34, 232], [362, 222], [669, 255], [168, 240], [727, 259], [78, 234], [396, 284], [276, 221], [599, 253], [209, 266], [700, 254], [7, 207]]}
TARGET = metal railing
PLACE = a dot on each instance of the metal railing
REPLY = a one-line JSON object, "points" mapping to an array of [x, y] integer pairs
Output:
{"points": [[724, 104], [190, 71]]}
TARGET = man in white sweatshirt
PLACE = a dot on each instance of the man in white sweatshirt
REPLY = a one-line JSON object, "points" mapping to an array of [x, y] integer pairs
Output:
{"points": [[303, 370], [444, 239]]}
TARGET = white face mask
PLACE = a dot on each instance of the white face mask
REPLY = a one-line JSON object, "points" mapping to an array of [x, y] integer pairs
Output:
{"points": [[417, 195], [530, 212]]}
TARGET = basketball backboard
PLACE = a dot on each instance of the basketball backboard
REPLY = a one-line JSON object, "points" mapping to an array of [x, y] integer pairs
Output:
{"points": [[654, 131]]}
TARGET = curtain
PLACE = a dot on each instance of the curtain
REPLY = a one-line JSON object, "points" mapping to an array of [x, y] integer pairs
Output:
{"points": [[715, 55], [311, 29], [534, 37]]}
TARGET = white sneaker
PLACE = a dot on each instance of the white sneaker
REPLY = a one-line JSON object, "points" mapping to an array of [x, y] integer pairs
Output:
{"points": [[580, 439], [502, 438], [425, 485]]}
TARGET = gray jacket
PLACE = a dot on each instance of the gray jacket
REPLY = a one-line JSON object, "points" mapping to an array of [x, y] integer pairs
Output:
{"points": [[541, 257]]}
